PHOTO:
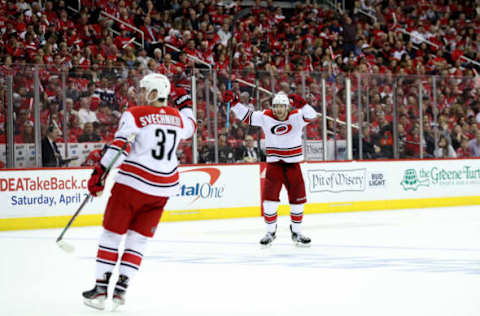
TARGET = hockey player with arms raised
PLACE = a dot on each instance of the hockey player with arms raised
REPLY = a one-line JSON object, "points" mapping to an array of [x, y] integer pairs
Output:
{"points": [[147, 177], [283, 140]]}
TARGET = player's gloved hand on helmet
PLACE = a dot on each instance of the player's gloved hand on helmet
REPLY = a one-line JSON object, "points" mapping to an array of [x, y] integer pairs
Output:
{"points": [[229, 96], [96, 184], [297, 101]]}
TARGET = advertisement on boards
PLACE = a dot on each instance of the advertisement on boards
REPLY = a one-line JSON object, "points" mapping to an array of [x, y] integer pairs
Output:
{"points": [[391, 180], [336, 182], [53, 192], [32, 193], [212, 186]]}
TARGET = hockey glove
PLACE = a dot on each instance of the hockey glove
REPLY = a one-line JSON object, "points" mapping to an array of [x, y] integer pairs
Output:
{"points": [[297, 101], [183, 101], [229, 96], [96, 184]]}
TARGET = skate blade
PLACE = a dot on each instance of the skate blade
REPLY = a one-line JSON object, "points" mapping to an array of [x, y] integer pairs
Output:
{"points": [[266, 246], [116, 304], [97, 304], [300, 245]]}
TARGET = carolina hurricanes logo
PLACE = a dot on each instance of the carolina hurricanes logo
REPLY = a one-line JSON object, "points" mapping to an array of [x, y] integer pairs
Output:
{"points": [[281, 129]]}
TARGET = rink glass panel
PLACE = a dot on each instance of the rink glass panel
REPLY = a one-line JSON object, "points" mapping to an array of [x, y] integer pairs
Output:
{"points": [[404, 116]]}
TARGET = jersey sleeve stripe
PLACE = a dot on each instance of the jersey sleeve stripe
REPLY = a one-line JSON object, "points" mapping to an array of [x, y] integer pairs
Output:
{"points": [[118, 149], [248, 117], [118, 144], [308, 120]]}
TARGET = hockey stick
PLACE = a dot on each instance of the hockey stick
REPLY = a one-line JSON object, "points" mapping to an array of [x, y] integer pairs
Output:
{"points": [[62, 243], [240, 15], [253, 86]]}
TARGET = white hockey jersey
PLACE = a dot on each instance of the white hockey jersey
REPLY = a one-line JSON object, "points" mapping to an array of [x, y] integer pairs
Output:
{"points": [[150, 164], [283, 139]]}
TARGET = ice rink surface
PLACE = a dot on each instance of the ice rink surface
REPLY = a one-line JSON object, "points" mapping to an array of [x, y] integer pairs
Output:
{"points": [[408, 262]]}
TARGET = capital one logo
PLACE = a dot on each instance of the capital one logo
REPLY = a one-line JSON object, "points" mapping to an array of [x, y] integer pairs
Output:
{"points": [[198, 188]]}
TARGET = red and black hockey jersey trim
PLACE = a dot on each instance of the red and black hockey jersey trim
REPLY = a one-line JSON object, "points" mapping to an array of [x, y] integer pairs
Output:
{"points": [[248, 117], [148, 176], [183, 101], [117, 144], [285, 152]]}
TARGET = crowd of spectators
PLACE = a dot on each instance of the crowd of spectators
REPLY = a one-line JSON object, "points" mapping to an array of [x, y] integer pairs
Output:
{"points": [[401, 43]]}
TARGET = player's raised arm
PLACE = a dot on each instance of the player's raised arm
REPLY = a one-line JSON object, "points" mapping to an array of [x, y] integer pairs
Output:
{"points": [[242, 112], [183, 102], [309, 114]]}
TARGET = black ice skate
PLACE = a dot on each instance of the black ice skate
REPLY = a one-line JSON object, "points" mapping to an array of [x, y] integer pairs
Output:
{"points": [[120, 291], [299, 239], [268, 239], [96, 297]]}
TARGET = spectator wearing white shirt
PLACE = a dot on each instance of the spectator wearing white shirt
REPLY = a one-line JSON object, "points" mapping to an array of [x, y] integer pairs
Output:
{"points": [[143, 58], [23, 6], [85, 114], [224, 34], [69, 110], [399, 50], [418, 36]]}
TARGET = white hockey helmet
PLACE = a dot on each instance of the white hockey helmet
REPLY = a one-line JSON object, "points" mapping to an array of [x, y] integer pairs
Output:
{"points": [[157, 82], [281, 98]]}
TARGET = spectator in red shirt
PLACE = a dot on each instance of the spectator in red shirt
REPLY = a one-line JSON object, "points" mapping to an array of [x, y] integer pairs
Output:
{"points": [[27, 135], [464, 151], [94, 156], [149, 31], [104, 115], [75, 127]]}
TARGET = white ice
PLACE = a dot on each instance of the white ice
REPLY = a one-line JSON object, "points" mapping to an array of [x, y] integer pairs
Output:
{"points": [[408, 262]]}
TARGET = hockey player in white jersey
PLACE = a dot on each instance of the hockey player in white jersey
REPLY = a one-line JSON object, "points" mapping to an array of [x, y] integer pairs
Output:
{"points": [[146, 178], [282, 127]]}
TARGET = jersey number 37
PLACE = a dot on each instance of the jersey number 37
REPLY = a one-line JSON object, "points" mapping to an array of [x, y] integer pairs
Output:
{"points": [[159, 152]]}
